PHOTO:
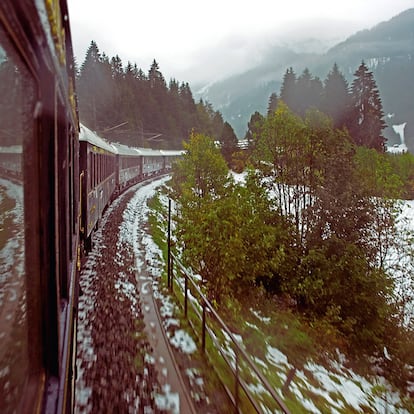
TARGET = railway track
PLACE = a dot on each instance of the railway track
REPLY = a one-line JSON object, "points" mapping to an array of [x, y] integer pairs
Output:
{"points": [[124, 360]]}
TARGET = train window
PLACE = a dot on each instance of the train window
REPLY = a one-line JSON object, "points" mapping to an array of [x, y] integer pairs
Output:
{"points": [[16, 129], [89, 169], [95, 170]]}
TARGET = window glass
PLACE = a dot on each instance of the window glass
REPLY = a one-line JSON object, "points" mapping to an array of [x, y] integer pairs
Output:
{"points": [[16, 126]]}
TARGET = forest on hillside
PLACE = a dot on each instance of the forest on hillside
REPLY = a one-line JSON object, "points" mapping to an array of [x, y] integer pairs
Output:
{"points": [[356, 108], [125, 104]]}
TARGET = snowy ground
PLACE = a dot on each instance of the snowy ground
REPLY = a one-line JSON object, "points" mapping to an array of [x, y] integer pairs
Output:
{"points": [[401, 262], [117, 369]]}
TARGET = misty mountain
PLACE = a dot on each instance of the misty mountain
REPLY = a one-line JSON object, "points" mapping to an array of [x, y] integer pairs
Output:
{"points": [[387, 49]]}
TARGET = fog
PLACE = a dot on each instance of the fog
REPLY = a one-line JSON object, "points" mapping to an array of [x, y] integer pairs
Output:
{"points": [[203, 42]]}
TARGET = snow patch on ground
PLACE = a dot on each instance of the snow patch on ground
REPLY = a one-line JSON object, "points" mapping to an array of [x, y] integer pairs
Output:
{"points": [[183, 341], [168, 401], [259, 316]]}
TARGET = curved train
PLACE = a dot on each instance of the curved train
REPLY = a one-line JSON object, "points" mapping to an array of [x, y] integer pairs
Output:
{"points": [[56, 178], [106, 169]]}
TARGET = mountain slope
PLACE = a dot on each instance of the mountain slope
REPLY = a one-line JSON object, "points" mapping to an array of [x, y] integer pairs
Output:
{"points": [[388, 50]]}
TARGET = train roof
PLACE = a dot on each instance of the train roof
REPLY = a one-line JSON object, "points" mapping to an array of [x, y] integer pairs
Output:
{"points": [[147, 152], [123, 149], [116, 148], [172, 153], [89, 136]]}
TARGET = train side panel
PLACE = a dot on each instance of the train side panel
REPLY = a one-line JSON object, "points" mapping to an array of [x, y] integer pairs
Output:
{"points": [[98, 177], [129, 170], [130, 165]]}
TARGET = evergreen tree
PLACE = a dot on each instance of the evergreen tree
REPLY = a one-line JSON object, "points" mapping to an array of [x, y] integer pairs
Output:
{"points": [[217, 124], [89, 84], [111, 95], [140, 75], [309, 93], [272, 105], [366, 123], [254, 127], [155, 78], [188, 110], [336, 98], [96, 89], [288, 88], [117, 67], [131, 109], [157, 110], [229, 143], [205, 114]]}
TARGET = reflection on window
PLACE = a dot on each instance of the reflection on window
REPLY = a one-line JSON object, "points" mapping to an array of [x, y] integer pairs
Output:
{"points": [[16, 102]]}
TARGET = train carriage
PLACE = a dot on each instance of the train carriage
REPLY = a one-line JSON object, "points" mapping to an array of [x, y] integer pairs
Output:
{"points": [[153, 161], [130, 165], [98, 178]]}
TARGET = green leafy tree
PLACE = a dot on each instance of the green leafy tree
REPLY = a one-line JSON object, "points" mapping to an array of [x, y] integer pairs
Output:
{"points": [[375, 176], [265, 235], [202, 171], [403, 166], [226, 231], [281, 154], [349, 234], [207, 220], [338, 232]]}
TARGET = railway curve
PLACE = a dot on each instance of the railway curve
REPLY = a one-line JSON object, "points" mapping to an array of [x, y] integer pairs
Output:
{"points": [[124, 360]]}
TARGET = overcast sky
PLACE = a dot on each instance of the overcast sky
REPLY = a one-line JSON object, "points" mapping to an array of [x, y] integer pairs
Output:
{"points": [[197, 41]]}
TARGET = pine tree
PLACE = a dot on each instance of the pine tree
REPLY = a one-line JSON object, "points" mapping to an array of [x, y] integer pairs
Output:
{"points": [[336, 98], [110, 95], [228, 142], [366, 123], [188, 110], [155, 77], [157, 110], [95, 89], [309, 93], [87, 84], [254, 127], [272, 105], [288, 88]]}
